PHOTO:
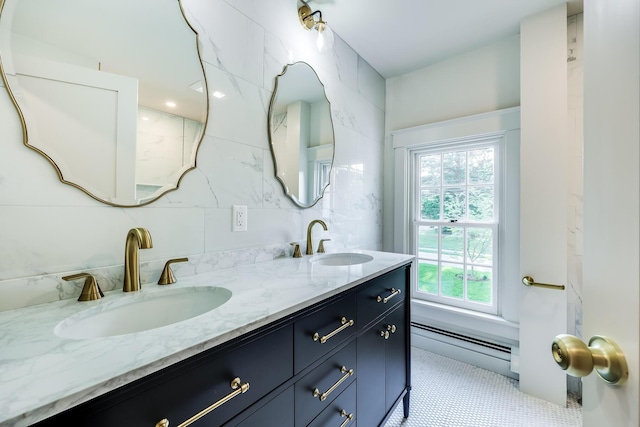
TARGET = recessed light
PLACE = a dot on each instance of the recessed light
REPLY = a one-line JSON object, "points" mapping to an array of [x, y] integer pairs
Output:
{"points": [[170, 104], [218, 95]]}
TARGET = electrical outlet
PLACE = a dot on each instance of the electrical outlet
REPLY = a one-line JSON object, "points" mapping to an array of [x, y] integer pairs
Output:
{"points": [[239, 218]]}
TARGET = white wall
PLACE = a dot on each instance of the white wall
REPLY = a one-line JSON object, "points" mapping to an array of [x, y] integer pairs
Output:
{"points": [[479, 81], [484, 80], [47, 227], [543, 199]]}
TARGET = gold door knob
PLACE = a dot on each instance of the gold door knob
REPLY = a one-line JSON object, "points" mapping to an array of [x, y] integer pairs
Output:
{"points": [[602, 354]]}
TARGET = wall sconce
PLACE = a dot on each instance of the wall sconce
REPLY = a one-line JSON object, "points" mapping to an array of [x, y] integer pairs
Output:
{"points": [[325, 35]]}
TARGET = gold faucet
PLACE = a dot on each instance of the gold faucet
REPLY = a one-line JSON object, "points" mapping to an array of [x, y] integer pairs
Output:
{"points": [[309, 244], [137, 238]]}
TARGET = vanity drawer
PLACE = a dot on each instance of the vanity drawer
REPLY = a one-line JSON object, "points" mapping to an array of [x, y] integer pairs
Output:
{"points": [[320, 332], [329, 379], [278, 412], [181, 391], [383, 293], [338, 412]]}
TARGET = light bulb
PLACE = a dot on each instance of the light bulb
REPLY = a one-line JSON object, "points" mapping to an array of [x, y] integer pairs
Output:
{"points": [[325, 36]]}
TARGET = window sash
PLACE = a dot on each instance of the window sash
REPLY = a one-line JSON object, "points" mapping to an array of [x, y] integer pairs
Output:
{"points": [[465, 266], [464, 223]]}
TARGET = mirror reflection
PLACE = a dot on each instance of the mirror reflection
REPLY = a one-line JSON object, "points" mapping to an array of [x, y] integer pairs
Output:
{"points": [[301, 134], [112, 92]]}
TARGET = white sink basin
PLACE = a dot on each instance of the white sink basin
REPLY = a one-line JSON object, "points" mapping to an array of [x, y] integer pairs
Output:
{"points": [[141, 312], [339, 259]]}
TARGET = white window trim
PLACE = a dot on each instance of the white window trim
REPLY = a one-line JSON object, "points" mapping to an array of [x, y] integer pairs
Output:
{"points": [[503, 124]]}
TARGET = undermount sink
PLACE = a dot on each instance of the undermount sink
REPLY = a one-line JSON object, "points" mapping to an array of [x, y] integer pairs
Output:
{"points": [[338, 259], [141, 312]]}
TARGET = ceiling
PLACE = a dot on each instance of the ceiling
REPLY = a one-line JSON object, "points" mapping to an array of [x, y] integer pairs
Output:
{"points": [[399, 36]]}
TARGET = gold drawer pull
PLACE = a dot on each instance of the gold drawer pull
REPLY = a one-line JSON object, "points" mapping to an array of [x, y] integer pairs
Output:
{"points": [[345, 324], [343, 413], [323, 396], [235, 384], [394, 292]]}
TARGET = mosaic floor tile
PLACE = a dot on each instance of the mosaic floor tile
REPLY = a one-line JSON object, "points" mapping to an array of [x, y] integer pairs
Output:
{"points": [[448, 393]]}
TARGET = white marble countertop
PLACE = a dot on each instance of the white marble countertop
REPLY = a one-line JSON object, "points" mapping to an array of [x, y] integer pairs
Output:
{"points": [[42, 374]]}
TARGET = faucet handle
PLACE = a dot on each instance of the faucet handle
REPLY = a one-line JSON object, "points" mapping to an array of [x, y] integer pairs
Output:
{"points": [[296, 250], [91, 290], [167, 277], [321, 245]]}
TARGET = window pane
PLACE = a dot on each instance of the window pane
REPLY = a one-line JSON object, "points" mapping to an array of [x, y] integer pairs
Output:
{"points": [[452, 280], [430, 204], [454, 206], [428, 242], [479, 284], [428, 277], [430, 170], [481, 203], [454, 167], [456, 213], [480, 246], [481, 166], [453, 244]]}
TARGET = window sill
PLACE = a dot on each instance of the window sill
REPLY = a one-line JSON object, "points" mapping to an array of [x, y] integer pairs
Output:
{"points": [[472, 323]]}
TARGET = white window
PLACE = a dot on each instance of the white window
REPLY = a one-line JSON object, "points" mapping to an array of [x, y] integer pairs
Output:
{"points": [[455, 224], [465, 170]]}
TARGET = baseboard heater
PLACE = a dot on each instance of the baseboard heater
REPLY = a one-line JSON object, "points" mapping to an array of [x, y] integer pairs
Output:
{"points": [[456, 336]]}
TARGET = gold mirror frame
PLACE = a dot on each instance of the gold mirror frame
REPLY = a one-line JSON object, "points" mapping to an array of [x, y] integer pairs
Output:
{"points": [[279, 173], [142, 202]]}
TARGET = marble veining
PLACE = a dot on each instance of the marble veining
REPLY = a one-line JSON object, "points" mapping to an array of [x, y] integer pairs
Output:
{"points": [[43, 374], [50, 287]]}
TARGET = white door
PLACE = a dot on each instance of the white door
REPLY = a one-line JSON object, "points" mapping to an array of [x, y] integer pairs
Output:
{"points": [[543, 200], [611, 200]]}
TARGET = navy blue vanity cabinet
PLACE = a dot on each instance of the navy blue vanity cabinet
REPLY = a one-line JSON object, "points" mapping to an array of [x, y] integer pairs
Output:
{"points": [[317, 389], [342, 362], [277, 412], [383, 346], [340, 412], [179, 392], [319, 332]]}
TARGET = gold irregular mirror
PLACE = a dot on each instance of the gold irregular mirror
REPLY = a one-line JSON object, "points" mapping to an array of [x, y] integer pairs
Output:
{"points": [[301, 134], [111, 92]]}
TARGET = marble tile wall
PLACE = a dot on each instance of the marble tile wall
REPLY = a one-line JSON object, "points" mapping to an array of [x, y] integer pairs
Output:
{"points": [[48, 229], [575, 211]]}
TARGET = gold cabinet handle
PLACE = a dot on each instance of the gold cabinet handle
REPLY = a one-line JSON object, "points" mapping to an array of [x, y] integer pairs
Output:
{"points": [[323, 396], [391, 329], [394, 292], [236, 384], [602, 354], [529, 281], [345, 324], [343, 413]]}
